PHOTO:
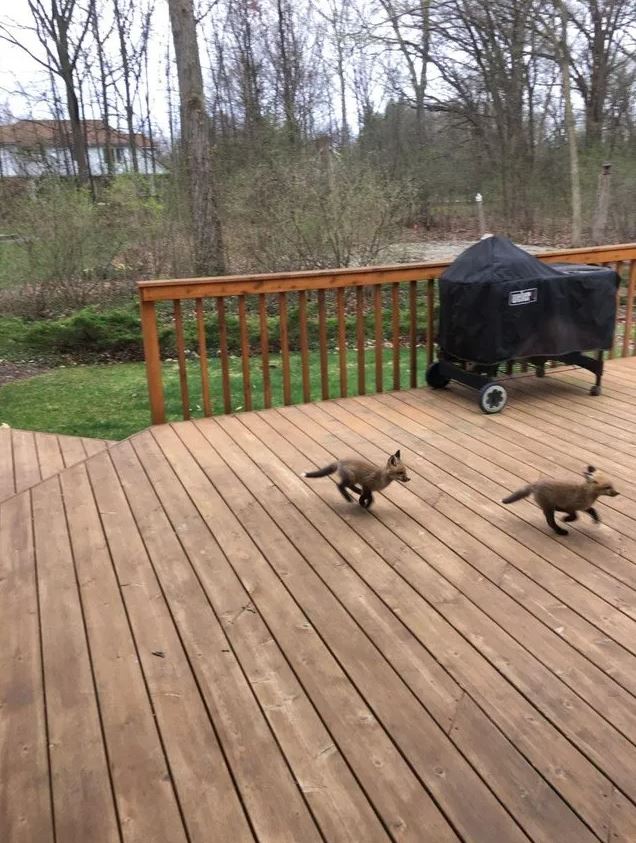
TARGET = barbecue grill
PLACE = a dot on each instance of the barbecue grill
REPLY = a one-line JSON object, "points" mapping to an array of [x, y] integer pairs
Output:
{"points": [[499, 304]]}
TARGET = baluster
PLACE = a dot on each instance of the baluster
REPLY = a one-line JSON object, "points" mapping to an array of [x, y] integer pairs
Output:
{"points": [[225, 365], [360, 339], [284, 346], [203, 360], [413, 332], [430, 321], [322, 340], [379, 338], [342, 341], [245, 354], [267, 385], [395, 304], [629, 307], [181, 357], [304, 345]]}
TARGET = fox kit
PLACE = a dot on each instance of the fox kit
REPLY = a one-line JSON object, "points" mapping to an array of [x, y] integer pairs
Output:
{"points": [[362, 477], [556, 496]]}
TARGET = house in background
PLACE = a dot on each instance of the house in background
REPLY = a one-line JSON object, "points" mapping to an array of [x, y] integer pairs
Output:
{"points": [[31, 148]]}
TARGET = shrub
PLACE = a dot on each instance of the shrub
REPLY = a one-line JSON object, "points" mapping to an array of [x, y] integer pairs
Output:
{"points": [[89, 334]]}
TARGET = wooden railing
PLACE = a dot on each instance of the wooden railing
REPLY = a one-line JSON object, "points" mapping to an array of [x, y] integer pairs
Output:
{"points": [[379, 322]]}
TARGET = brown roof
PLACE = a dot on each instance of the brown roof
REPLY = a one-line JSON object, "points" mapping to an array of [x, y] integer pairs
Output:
{"points": [[57, 133]]}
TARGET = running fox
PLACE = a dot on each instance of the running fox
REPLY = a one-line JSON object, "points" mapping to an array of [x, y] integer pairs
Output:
{"points": [[362, 477], [557, 496]]}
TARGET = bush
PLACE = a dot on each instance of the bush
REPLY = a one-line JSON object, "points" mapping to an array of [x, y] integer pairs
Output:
{"points": [[89, 335]]}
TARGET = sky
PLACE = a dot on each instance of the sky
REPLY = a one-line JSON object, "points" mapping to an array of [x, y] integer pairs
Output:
{"points": [[24, 86]]}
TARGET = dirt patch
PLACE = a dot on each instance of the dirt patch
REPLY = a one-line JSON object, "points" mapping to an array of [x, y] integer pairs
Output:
{"points": [[434, 250], [10, 371]]}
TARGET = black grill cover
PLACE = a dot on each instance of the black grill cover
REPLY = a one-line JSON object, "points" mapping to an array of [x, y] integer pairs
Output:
{"points": [[500, 303]]}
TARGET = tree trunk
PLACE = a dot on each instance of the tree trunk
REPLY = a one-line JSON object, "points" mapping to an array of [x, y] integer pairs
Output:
{"points": [[108, 147], [66, 71], [206, 223], [570, 128], [125, 64]]}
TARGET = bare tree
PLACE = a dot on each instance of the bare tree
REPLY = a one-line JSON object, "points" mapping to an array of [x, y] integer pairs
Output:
{"points": [[570, 126], [104, 83], [338, 15], [195, 138], [602, 28], [61, 27]]}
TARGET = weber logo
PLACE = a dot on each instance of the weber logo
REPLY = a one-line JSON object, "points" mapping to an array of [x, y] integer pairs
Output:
{"points": [[522, 296]]}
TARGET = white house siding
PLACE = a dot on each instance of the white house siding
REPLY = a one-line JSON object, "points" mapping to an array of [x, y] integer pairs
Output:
{"points": [[17, 162]]}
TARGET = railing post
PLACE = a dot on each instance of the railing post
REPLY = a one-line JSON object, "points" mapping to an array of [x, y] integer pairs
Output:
{"points": [[153, 361]]}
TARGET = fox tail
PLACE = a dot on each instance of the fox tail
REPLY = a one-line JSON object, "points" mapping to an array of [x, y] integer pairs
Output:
{"points": [[322, 472], [517, 496]]}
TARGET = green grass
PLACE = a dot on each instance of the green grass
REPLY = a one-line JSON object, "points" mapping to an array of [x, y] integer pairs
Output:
{"points": [[111, 401]]}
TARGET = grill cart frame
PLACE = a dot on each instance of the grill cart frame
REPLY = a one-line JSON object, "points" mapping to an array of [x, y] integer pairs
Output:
{"points": [[493, 396], [499, 305]]}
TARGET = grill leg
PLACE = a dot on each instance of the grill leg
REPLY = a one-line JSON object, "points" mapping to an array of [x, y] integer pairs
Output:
{"points": [[596, 389]]}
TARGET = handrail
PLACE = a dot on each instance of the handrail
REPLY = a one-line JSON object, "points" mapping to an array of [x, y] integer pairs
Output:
{"points": [[314, 279], [323, 282]]}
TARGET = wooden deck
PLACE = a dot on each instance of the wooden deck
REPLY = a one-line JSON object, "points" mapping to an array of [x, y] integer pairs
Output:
{"points": [[199, 645], [27, 458]]}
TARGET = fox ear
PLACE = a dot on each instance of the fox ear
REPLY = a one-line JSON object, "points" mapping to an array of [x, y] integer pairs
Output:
{"points": [[397, 455], [589, 472], [394, 458]]}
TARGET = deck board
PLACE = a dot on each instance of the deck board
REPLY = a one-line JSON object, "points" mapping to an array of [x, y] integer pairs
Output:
{"points": [[27, 458], [202, 644]]}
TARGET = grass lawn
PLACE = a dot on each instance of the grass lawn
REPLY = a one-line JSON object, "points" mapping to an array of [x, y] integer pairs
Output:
{"points": [[111, 401]]}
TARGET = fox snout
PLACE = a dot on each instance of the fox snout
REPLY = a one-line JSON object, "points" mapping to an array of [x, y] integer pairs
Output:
{"points": [[613, 493]]}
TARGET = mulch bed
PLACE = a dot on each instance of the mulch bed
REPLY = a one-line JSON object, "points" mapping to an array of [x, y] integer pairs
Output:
{"points": [[10, 371]]}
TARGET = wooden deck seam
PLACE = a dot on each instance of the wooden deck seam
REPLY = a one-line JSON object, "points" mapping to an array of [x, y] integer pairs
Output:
{"points": [[98, 702], [346, 672], [458, 417], [283, 649], [435, 434], [434, 608], [496, 581], [621, 582], [29, 495], [302, 684], [509, 420], [560, 729], [544, 411], [400, 678], [231, 648], [551, 397], [475, 491], [481, 573], [149, 694], [465, 691], [441, 667]]}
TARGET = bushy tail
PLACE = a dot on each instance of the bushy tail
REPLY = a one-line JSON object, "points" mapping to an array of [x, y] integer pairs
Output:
{"points": [[516, 496], [322, 472]]}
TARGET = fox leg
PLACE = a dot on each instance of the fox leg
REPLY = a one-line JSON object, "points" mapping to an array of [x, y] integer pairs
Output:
{"points": [[571, 517], [366, 499], [342, 487], [549, 517], [595, 517], [355, 488]]}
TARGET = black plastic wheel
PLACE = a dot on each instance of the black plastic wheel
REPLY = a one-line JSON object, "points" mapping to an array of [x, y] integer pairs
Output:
{"points": [[434, 377], [492, 398]]}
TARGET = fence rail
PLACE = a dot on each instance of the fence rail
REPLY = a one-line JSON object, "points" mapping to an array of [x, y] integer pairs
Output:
{"points": [[322, 333]]}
